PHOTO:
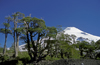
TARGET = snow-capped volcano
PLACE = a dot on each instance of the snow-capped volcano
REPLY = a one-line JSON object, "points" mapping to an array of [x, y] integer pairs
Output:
{"points": [[80, 35]]}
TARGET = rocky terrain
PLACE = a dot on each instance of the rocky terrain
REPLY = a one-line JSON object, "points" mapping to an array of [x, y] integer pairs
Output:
{"points": [[76, 62]]}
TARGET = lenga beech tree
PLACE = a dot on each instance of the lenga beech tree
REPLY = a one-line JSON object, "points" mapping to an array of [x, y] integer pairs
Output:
{"points": [[6, 31], [16, 19], [36, 28]]}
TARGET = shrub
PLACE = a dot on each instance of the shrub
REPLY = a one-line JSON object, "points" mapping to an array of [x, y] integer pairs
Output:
{"points": [[51, 58], [75, 54], [4, 58], [19, 63], [23, 56]]}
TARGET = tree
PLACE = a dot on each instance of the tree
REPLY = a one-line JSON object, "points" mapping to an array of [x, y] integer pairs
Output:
{"points": [[82, 46], [97, 44], [16, 19], [36, 28], [51, 35], [64, 41], [6, 31], [90, 50], [73, 38]]}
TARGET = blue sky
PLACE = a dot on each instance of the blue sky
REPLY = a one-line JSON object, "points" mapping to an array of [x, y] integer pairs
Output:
{"points": [[82, 14]]}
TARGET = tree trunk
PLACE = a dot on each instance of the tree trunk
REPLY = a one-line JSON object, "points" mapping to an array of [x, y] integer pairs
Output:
{"points": [[15, 26], [81, 52], [4, 50], [17, 45], [61, 54], [36, 48], [28, 43]]}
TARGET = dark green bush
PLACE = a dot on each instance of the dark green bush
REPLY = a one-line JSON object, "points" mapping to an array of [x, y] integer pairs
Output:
{"points": [[23, 56], [52, 58], [19, 63], [4, 58]]}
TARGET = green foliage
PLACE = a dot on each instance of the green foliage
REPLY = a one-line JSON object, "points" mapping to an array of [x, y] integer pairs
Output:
{"points": [[90, 48], [19, 63], [86, 47], [64, 42], [27, 19], [8, 18], [4, 58], [59, 28], [75, 54], [97, 44], [51, 32], [6, 25], [20, 15], [1, 49], [35, 27], [19, 29], [82, 44], [51, 58], [73, 38], [2, 30], [38, 25], [23, 56]]}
